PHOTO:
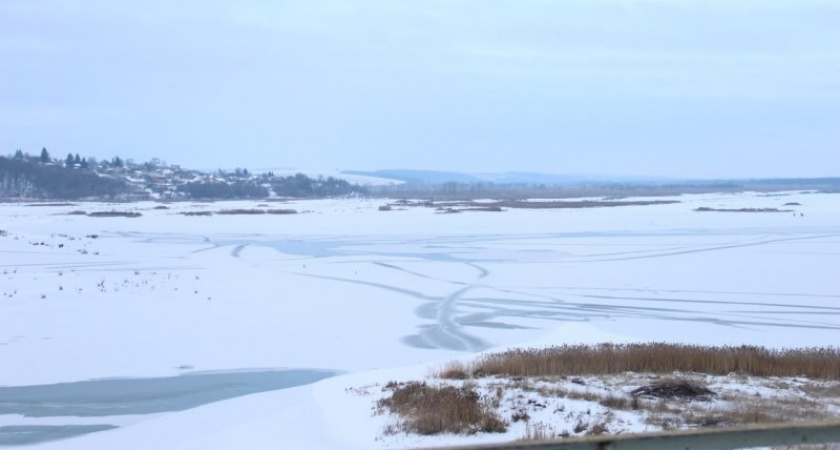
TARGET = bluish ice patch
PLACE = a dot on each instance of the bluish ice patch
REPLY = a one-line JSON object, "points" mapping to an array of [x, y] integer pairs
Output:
{"points": [[34, 434], [109, 397]]}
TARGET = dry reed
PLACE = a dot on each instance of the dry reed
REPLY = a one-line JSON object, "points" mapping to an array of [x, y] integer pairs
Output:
{"points": [[256, 211], [114, 214], [440, 409], [602, 359]]}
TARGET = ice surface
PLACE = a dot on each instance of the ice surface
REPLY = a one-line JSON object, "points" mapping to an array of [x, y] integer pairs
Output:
{"points": [[345, 287]]}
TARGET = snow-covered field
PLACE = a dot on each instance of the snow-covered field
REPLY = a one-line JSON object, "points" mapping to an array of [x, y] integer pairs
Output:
{"points": [[247, 304]]}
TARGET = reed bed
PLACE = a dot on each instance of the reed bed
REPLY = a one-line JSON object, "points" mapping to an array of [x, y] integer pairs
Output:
{"points": [[256, 211], [114, 214], [759, 210], [240, 211], [602, 359]]}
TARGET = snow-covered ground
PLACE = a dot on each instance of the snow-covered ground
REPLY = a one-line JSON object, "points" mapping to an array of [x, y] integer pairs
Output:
{"points": [[371, 296]]}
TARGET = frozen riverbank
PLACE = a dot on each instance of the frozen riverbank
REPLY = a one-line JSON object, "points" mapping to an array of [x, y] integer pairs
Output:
{"points": [[132, 396]]}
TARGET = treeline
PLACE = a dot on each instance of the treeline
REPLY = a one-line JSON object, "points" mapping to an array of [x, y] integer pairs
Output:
{"points": [[296, 186], [300, 185], [222, 190], [24, 178]]}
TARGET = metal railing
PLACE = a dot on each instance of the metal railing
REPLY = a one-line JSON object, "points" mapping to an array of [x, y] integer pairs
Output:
{"points": [[706, 439]]}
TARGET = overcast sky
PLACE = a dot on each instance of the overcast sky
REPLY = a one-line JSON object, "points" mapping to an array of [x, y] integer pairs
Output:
{"points": [[684, 88]]}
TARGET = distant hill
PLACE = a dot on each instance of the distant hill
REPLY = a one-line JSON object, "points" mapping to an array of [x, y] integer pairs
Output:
{"points": [[531, 178], [417, 176]]}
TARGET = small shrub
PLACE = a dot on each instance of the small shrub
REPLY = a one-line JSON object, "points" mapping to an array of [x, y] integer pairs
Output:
{"points": [[519, 415], [440, 409]]}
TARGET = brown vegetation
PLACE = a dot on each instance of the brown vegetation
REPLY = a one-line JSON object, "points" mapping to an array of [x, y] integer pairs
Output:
{"points": [[256, 211], [567, 204], [750, 210], [455, 370], [51, 204], [496, 206], [815, 363], [738, 410], [484, 208], [429, 409], [666, 386], [240, 211], [114, 214]]}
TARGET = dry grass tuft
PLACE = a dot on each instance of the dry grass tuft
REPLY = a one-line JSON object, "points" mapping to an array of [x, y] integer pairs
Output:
{"points": [[538, 432], [440, 409], [603, 359], [615, 402], [454, 370], [740, 410], [114, 214], [233, 212], [241, 211]]}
